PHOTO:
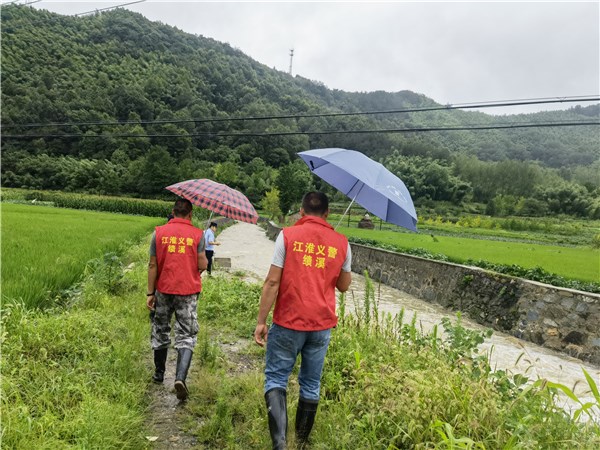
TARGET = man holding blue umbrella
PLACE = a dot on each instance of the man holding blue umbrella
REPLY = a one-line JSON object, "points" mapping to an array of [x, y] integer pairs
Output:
{"points": [[310, 261], [365, 182]]}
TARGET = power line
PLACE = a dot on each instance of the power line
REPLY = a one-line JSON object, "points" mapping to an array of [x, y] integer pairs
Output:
{"points": [[489, 104], [107, 8], [27, 2], [326, 132]]}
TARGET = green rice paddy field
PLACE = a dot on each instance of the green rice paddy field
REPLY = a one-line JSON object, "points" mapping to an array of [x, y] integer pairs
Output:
{"points": [[580, 263], [45, 249]]}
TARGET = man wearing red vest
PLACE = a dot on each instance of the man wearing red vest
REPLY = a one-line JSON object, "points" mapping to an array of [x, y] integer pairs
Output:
{"points": [[177, 259], [310, 261]]}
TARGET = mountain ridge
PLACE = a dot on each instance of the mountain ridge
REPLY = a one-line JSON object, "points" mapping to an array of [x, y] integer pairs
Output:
{"points": [[143, 97]]}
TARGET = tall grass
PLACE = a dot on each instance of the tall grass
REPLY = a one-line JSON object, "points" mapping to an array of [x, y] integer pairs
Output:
{"points": [[45, 250], [76, 376], [386, 385]]}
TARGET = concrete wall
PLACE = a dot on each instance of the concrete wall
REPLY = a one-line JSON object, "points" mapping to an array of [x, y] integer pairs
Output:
{"points": [[272, 230], [561, 319]]}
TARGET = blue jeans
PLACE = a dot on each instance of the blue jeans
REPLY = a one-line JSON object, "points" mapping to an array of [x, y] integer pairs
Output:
{"points": [[283, 347]]}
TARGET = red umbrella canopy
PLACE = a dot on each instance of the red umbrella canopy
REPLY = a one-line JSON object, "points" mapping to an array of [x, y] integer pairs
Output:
{"points": [[216, 197]]}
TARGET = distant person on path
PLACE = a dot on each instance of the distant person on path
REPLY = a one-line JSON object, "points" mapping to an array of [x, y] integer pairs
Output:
{"points": [[309, 262], [177, 259], [211, 241]]}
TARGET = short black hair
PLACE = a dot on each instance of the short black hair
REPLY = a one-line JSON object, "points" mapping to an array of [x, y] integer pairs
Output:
{"points": [[315, 203], [213, 224], [182, 207]]}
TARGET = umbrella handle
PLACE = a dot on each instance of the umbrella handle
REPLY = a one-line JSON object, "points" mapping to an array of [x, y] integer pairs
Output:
{"points": [[343, 215], [208, 222]]}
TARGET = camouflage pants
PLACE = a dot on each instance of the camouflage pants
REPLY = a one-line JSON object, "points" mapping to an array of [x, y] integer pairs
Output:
{"points": [[186, 321]]}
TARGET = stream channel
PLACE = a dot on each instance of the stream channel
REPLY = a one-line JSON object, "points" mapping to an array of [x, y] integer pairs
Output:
{"points": [[504, 351]]}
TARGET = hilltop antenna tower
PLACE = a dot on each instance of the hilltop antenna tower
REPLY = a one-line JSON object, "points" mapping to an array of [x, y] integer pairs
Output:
{"points": [[291, 58]]}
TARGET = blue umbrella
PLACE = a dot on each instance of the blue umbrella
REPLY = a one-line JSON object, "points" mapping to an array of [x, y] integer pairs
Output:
{"points": [[366, 182]]}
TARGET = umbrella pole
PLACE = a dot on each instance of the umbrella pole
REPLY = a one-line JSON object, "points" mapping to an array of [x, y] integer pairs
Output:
{"points": [[208, 221], [342, 218]]}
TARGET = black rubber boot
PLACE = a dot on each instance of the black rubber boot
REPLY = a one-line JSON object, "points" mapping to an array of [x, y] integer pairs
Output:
{"points": [[184, 358], [277, 410], [305, 418], [160, 360]]}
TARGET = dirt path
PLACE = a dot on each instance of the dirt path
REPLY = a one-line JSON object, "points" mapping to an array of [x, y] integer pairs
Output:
{"points": [[250, 251], [167, 412]]}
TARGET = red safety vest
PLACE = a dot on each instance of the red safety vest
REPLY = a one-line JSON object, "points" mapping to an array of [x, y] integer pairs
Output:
{"points": [[177, 257], [314, 255]]}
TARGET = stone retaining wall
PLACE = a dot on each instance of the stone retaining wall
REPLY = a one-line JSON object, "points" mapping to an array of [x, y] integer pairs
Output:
{"points": [[558, 318], [272, 230]]}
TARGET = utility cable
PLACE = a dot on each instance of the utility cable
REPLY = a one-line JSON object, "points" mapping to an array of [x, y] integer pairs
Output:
{"points": [[490, 104], [107, 8]]}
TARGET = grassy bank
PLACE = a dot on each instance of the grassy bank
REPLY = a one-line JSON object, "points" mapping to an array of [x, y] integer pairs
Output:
{"points": [[76, 376]]}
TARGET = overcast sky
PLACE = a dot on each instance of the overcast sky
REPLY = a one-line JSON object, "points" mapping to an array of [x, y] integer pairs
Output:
{"points": [[449, 51]]}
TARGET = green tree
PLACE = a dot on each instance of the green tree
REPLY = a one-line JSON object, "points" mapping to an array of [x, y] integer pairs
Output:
{"points": [[227, 173], [270, 204], [131, 98], [428, 179], [293, 181], [158, 170], [566, 198]]}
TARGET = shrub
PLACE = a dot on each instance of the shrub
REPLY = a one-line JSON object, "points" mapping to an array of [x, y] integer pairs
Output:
{"points": [[122, 205]]}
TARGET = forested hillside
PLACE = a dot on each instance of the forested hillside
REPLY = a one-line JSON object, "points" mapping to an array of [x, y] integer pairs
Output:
{"points": [[137, 105]]}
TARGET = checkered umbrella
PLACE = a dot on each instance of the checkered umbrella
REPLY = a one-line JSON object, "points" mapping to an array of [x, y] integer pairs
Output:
{"points": [[216, 197]]}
